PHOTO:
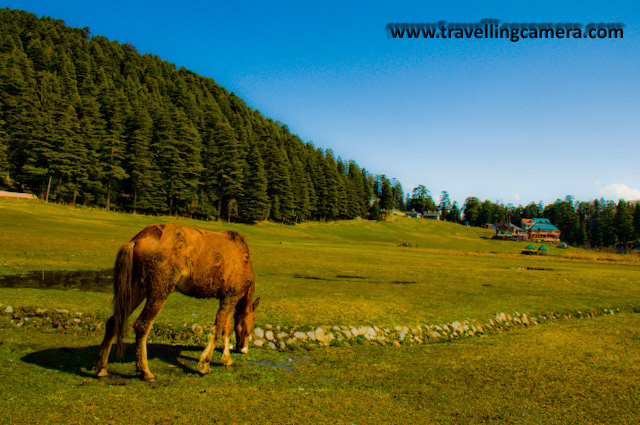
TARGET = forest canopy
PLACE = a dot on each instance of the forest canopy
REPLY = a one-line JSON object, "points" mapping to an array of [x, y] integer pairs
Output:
{"points": [[91, 121]]}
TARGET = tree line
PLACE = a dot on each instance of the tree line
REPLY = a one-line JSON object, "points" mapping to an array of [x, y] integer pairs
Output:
{"points": [[85, 120], [597, 223]]}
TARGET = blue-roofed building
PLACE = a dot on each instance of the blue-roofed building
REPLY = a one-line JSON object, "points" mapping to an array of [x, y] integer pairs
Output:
{"points": [[541, 229]]}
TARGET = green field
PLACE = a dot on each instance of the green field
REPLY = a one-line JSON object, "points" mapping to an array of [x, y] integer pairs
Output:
{"points": [[324, 274]]}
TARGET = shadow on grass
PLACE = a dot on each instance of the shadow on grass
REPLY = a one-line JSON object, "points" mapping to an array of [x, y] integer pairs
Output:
{"points": [[80, 361]]}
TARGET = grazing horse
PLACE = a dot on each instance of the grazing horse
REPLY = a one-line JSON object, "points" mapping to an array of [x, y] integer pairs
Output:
{"points": [[198, 263]]}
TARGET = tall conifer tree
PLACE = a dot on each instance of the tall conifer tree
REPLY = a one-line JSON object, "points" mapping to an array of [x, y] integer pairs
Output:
{"points": [[4, 156], [636, 220], [226, 168], [254, 204]]}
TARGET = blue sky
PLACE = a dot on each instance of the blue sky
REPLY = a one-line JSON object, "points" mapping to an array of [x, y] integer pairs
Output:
{"points": [[517, 122]]}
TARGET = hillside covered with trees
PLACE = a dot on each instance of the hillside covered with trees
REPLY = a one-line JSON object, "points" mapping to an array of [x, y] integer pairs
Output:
{"points": [[85, 120]]}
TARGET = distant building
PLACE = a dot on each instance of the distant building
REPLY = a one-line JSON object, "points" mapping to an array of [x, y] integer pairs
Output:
{"points": [[526, 223], [541, 229], [489, 226], [511, 232], [414, 214], [434, 215]]}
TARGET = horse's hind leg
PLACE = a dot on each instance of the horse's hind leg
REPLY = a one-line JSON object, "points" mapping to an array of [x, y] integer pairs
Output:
{"points": [[109, 335], [105, 348], [142, 326]]}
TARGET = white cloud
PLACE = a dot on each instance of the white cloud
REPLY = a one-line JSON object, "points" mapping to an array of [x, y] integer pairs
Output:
{"points": [[517, 197], [620, 191]]}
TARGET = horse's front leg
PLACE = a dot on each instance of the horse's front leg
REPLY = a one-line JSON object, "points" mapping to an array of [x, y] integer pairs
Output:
{"points": [[226, 332], [221, 328]]}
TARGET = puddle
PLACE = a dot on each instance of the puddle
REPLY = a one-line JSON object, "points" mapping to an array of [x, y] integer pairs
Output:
{"points": [[530, 268], [84, 280], [266, 363], [345, 278], [288, 364], [299, 276]]}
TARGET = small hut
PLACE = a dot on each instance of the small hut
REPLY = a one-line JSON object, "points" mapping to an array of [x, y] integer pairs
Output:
{"points": [[543, 250], [433, 215], [529, 250]]}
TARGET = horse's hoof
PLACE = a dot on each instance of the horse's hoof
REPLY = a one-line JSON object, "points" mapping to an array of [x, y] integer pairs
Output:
{"points": [[204, 369], [148, 378], [227, 362], [102, 373]]}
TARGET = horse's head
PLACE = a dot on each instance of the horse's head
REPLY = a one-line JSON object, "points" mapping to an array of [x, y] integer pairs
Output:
{"points": [[244, 325]]}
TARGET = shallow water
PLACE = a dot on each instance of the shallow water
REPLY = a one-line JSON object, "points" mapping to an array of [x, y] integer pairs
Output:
{"points": [[289, 364], [346, 278], [84, 280], [267, 363], [530, 268]]}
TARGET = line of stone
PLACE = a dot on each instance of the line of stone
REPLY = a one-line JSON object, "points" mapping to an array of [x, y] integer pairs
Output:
{"points": [[277, 338], [283, 338]]}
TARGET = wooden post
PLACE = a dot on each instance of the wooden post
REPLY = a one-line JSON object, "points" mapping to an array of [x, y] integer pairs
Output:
{"points": [[48, 186]]}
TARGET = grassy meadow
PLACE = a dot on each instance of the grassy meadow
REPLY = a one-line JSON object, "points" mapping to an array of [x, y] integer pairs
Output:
{"points": [[572, 372], [324, 274], [342, 273]]}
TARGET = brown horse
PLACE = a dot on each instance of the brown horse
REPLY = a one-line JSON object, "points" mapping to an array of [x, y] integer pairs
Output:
{"points": [[198, 263]]}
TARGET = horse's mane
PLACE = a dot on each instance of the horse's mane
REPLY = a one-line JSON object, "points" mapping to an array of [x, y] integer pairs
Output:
{"points": [[235, 236]]}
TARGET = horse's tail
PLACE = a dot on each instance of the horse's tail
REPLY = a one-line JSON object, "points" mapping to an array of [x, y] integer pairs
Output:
{"points": [[122, 291]]}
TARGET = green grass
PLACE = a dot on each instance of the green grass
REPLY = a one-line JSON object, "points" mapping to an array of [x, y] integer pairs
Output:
{"points": [[345, 273], [570, 372], [37, 236]]}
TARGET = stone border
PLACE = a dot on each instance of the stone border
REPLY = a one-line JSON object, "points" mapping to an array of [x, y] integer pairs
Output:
{"points": [[277, 338], [292, 338]]}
